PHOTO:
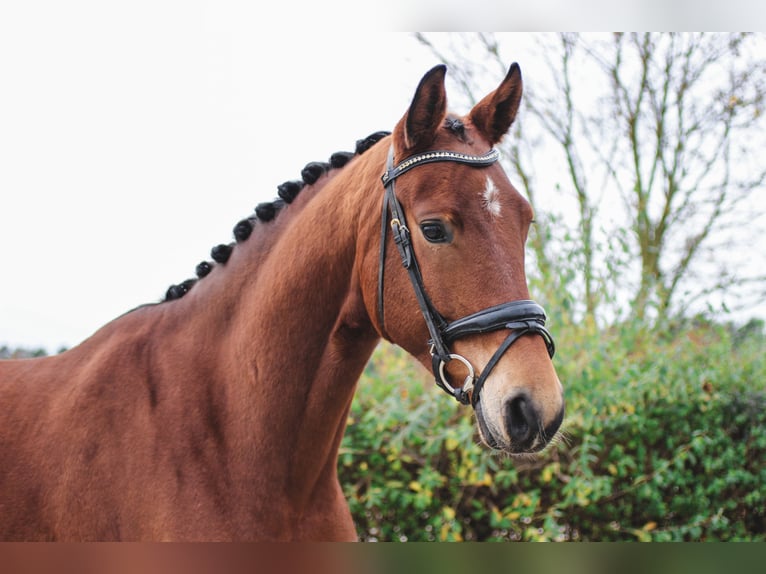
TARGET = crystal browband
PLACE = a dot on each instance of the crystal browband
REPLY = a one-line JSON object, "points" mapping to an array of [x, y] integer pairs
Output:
{"points": [[433, 156]]}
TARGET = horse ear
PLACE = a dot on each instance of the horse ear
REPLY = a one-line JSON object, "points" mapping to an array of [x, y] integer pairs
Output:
{"points": [[417, 129], [494, 115]]}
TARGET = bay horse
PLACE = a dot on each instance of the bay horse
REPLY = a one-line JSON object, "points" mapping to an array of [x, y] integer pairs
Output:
{"points": [[217, 413]]}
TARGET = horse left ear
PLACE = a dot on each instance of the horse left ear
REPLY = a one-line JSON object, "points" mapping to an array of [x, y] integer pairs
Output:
{"points": [[494, 115]]}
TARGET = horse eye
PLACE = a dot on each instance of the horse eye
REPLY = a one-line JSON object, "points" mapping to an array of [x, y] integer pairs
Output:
{"points": [[435, 232]]}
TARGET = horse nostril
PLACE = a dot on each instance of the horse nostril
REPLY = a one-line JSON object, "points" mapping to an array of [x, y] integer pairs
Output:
{"points": [[521, 420]]}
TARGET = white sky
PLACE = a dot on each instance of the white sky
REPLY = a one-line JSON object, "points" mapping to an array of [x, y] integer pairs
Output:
{"points": [[134, 135], [132, 141]]}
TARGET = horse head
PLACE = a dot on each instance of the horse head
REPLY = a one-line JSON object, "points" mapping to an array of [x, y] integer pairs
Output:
{"points": [[451, 286]]}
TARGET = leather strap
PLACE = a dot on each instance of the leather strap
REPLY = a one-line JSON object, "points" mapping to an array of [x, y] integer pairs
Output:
{"points": [[515, 334], [402, 239], [504, 316]]}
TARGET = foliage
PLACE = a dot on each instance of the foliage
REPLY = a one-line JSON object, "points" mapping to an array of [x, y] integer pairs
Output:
{"points": [[665, 439], [20, 353]]}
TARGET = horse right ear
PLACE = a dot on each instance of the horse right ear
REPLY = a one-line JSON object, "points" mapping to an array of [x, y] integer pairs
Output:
{"points": [[416, 131]]}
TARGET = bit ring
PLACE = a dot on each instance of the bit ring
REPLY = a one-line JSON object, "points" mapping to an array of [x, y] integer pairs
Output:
{"points": [[469, 379]]}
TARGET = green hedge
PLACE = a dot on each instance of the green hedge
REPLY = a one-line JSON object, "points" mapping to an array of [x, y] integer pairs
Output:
{"points": [[665, 439]]}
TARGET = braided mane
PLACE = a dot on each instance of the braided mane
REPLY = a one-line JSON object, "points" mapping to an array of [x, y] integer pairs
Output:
{"points": [[266, 212]]}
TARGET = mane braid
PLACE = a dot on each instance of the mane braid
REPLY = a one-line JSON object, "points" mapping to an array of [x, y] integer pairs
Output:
{"points": [[243, 229], [314, 170], [267, 211], [203, 269]]}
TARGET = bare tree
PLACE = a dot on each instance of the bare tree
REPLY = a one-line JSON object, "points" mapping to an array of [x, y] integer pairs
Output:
{"points": [[659, 137]]}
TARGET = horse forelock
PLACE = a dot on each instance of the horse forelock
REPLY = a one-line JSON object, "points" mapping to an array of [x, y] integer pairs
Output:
{"points": [[266, 212], [455, 126]]}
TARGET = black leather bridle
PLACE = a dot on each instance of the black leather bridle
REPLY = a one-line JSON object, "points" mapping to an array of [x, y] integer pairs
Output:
{"points": [[521, 317]]}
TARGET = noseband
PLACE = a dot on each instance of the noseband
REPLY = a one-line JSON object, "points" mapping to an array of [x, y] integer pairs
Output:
{"points": [[520, 317]]}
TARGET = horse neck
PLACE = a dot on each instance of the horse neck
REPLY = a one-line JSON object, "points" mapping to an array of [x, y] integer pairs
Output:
{"points": [[282, 331]]}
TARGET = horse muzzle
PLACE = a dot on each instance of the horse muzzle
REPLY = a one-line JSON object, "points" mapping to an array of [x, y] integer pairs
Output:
{"points": [[519, 425]]}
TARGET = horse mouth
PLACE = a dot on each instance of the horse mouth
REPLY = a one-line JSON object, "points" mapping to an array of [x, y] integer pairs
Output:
{"points": [[488, 436]]}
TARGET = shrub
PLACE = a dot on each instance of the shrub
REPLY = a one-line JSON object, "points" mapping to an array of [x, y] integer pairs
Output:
{"points": [[665, 439]]}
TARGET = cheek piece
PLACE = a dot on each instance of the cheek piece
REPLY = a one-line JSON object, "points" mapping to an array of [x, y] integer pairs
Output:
{"points": [[519, 317]]}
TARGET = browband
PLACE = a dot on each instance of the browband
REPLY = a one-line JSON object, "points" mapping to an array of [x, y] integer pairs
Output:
{"points": [[440, 155]]}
